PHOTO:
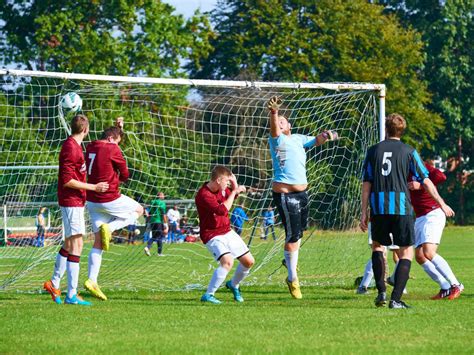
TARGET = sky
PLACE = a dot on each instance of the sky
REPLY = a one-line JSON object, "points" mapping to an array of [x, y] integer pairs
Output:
{"points": [[187, 7]]}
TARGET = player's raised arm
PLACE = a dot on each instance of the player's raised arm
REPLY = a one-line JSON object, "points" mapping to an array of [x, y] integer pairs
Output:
{"points": [[273, 106], [119, 122]]}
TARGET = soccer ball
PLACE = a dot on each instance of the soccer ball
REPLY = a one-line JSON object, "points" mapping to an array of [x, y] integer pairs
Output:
{"points": [[71, 102], [137, 231]]}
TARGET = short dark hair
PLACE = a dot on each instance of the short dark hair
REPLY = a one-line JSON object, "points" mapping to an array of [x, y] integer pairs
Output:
{"points": [[114, 132], [395, 125], [79, 123], [218, 171]]}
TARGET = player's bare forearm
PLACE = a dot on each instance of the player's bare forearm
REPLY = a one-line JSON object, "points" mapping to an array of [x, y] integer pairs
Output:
{"points": [[366, 188], [431, 189], [364, 220], [326, 136], [230, 200], [79, 185]]}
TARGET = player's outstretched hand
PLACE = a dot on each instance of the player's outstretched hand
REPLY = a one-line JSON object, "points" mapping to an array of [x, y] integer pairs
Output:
{"points": [[330, 135], [274, 103], [241, 189], [448, 211], [119, 122], [101, 187]]}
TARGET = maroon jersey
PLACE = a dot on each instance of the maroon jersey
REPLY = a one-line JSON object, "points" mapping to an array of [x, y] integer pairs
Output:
{"points": [[422, 201], [71, 166], [105, 163], [213, 215]]}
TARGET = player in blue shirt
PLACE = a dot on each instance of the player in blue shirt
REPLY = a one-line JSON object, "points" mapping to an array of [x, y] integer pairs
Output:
{"points": [[238, 218], [385, 175], [289, 185], [269, 222]]}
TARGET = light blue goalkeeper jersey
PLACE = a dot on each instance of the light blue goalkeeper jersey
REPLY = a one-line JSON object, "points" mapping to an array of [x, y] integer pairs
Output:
{"points": [[289, 158]]}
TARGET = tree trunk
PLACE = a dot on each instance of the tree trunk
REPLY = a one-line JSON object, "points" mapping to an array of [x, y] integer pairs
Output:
{"points": [[461, 182]]}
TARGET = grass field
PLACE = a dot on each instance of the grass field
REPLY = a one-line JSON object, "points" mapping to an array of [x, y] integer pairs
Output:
{"points": [[328, 319]]}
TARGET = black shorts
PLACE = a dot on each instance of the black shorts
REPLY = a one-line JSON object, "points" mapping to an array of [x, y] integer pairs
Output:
{"points": [[293, 210], [402, 229], [157, 230]]}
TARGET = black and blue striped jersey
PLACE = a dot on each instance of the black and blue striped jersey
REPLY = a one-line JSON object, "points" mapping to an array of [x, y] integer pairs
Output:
{"points": [[387, 166]]}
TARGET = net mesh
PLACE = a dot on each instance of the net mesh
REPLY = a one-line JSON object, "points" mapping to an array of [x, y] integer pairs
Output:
{"points": [[174, 136]]}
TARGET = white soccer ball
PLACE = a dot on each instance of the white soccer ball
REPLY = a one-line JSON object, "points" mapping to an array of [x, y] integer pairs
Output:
{"points": [[71, 102], [137, 231]]}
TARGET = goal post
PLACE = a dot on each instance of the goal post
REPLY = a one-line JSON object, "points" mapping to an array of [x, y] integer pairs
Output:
{"points": [[176, 130]]}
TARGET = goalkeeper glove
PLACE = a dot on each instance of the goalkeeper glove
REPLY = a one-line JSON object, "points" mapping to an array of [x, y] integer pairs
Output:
{"points": [[274, 104], [330, 135]]}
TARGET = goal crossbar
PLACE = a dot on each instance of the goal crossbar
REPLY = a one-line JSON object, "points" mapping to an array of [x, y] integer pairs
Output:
{"points": [[198, 82]]}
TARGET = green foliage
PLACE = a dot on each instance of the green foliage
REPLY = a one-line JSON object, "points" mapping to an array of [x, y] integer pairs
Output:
{"points": [[447, 29], [323, 41], [123, 37]]}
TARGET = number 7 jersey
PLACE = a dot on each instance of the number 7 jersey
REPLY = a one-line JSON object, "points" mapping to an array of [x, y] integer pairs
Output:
{"points": [[387, 166], [105, 163]]}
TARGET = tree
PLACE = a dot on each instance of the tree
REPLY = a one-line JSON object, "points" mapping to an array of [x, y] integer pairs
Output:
{"points": [[447, 29], [323, 41], [124, 37]]}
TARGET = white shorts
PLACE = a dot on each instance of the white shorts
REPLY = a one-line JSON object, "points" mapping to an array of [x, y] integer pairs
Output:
{"points": [[229, 243], [429, 228], [73, 221], [123, 208]]}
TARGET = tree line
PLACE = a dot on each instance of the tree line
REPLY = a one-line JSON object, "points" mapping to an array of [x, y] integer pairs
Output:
{"points": [[422, 51]]}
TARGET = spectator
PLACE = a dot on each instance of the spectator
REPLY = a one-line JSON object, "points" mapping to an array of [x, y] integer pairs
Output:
{"points": [[131, 233], [158, 223], [174, 218], [238, 218], [146, 235], [269, 222], [40, 227]]}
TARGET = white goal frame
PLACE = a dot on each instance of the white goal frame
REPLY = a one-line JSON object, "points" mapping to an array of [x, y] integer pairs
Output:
{"points": [[380, 88]]}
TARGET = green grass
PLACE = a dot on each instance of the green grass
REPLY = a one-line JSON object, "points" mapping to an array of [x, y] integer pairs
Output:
{"points": [[328, 319]]}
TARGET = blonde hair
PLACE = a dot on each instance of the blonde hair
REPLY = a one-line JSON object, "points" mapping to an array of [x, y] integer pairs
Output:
{"points": [[395, 125]]}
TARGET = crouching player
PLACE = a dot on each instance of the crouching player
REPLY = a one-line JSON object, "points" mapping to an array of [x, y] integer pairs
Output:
{"points": [[214, 201], [72, 188], [429, 225], [109, 211]]}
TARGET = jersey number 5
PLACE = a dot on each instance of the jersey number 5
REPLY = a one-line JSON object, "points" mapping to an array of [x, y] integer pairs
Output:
{"points": [[386, 160], [92, 157]]}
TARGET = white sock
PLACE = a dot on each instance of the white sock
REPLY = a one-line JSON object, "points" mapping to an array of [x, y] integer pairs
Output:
{"points": [[432, 272], [368, 275], [443, 267], [72, 277], [95, 259], [240, 273], [119, 223], [217, 279], [59, 270], [291, 258]]}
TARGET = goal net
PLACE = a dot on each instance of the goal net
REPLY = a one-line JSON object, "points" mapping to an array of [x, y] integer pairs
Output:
{"points": [[176, 131]]}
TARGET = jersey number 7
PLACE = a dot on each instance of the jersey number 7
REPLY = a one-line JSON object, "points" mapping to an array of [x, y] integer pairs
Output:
{"points": [[91, 157]]}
